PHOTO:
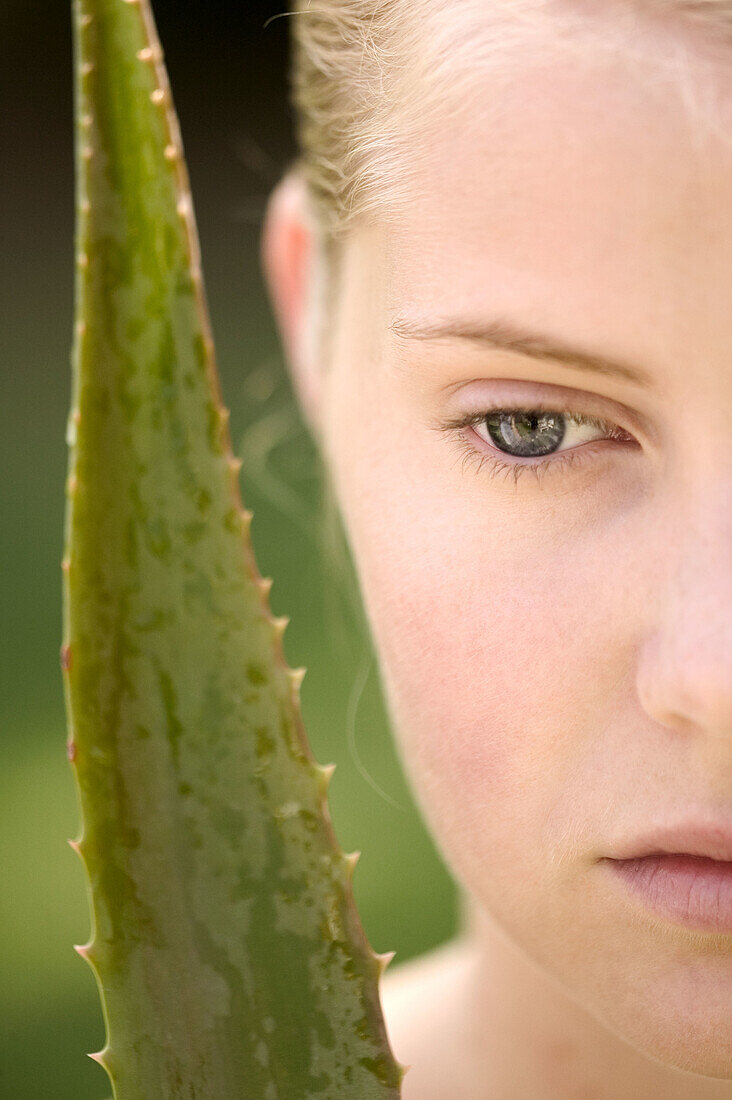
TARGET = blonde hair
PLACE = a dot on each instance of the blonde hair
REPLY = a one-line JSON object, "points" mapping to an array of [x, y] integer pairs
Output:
{"points": [[367, 74]]}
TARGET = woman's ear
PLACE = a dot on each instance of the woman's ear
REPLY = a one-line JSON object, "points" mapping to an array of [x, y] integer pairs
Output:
{"points": [[288, 248]]}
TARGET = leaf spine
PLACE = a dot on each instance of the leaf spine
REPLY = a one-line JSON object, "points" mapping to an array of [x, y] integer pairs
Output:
{"points": [[384, 960], [265, 585], [297, 675], [351, 859], [324, 775], [280, 624]]}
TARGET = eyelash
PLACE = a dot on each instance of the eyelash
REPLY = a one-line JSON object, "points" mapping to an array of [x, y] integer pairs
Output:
{"points": [[455, 428]]}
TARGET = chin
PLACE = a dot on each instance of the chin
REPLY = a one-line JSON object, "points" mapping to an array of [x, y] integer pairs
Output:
{"points": [[705, 1060], [698, 1043]]}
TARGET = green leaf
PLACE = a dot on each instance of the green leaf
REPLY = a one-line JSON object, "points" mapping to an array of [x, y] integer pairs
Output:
{"points": [[226, 945]]}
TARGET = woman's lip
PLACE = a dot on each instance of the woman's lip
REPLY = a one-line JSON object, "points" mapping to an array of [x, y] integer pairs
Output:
{"points": [[693, 891], [704, 835]]}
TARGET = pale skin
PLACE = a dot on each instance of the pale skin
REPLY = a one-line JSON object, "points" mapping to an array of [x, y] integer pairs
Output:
{"points": [[555, 653]]}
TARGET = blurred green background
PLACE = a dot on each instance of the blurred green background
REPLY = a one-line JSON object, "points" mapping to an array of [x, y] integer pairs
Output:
{"points": [[229, 78]]}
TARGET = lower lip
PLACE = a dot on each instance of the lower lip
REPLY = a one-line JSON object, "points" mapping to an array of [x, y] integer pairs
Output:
{"points": [[690, 890]]}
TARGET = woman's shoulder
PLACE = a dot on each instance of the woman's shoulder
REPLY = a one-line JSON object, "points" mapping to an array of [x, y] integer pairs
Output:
{"points": [[423, 1004]]}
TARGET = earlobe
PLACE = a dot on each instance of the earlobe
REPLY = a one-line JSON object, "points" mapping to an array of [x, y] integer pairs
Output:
{"points": [[287, 254]]}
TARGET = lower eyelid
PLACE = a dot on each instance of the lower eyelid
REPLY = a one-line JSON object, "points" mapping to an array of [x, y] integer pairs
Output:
{"points": [[483, 455], [500, 461]]}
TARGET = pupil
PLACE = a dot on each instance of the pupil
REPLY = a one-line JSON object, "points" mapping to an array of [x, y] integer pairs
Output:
{"points": [[526, 434]]}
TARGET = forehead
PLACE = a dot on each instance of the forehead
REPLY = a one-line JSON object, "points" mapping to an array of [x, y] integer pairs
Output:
{"points": [[579, 190]]}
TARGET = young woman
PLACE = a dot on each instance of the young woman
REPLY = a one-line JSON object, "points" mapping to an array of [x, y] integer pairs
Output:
{"points": [[501, 267]]}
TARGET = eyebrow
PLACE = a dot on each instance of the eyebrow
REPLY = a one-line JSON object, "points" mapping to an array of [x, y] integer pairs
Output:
{"points": [[504, 335]]}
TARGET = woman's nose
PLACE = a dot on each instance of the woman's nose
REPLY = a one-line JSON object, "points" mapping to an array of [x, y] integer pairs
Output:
{"points": [[685, 674]]}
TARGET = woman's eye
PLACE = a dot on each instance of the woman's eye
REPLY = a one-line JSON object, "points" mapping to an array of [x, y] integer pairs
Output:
{"points": [[514, 438]]}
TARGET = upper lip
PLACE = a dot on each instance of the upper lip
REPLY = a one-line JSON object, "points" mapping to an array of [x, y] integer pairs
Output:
{"points": [[693, 838]]}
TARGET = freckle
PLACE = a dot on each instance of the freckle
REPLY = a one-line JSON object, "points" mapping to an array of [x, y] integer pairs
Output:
{"points": [[71, 750], [83, 259], [72, 483], [87, 152], [87, 68], [86, 20], [66, 657], [81, 329], [86, 120], [157, 96], [66, 566], [85, 206]]}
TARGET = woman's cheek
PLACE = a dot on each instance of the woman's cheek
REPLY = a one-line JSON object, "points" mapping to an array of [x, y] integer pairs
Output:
{"points": [[465, 692], [479, 618]]}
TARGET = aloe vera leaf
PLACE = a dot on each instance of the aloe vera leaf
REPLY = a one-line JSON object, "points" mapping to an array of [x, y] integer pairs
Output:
{"points": [[227, 948]]}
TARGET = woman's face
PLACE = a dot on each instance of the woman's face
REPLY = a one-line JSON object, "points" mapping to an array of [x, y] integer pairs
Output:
{"points": [[556, 651]]}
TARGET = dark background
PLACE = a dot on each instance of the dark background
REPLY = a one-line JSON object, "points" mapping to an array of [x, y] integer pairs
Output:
{"points": [[229, 80]]}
